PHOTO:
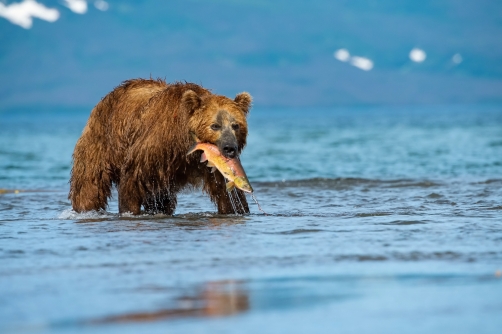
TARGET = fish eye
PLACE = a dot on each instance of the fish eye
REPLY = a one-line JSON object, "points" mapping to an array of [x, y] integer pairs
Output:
{"points": [[215, 127], [235, 126]]}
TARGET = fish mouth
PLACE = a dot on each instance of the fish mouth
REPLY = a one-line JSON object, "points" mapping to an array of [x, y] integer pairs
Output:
{"points": [[246, 188]]}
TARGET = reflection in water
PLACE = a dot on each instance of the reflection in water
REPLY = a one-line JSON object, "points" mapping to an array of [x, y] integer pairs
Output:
{"points": [[217, 222], [209, 220], [216, 299]]}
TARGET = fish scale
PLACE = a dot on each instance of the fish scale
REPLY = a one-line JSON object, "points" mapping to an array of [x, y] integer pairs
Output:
{"points": [[231, 169]]}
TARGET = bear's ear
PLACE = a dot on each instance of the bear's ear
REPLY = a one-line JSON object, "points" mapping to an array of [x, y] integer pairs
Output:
{"points": [[244, 100], [191, 100]]}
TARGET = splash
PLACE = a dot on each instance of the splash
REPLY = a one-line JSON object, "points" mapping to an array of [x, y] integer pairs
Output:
{"points": [[259, 207], [234, 191], [233, 194], [232, 201], [69, 214]]}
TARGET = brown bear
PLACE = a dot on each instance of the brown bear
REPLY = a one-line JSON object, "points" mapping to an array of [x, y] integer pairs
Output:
{"points": [[137, 138]]}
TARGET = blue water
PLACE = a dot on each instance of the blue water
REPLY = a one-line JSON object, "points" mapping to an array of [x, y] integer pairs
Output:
{"points": [[381, 220]]}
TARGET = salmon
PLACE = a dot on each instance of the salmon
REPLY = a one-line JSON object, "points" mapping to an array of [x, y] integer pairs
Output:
{"points": [[231, 169]]}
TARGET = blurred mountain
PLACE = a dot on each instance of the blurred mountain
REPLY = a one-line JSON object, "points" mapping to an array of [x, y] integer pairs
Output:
{"points": [[279, 51]]}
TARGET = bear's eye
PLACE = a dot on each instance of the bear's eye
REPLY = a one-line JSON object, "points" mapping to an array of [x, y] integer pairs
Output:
{"points": [[215, 127], [235, 127]]}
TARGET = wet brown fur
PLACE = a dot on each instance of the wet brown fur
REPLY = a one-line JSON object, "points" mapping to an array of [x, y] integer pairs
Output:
{"points": [[137, 138]]}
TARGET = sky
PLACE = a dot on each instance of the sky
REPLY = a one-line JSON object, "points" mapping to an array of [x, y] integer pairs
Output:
{"points": [[70, 53]]}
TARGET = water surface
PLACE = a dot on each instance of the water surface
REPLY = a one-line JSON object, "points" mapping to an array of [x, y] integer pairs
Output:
{"points": [[380, 219]]}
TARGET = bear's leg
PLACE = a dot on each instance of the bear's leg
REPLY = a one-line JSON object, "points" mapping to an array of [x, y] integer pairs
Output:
{"points": [[240, 197], [130, 197], [91, 180], [169, 201], [164, 202], [150, 205], [227, 203]]}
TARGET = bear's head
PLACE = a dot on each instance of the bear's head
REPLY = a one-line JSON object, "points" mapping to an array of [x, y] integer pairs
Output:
{"points": [[219, 120]]}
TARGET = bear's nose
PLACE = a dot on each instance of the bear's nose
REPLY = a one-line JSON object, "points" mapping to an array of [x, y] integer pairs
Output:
{"points": [[229, 151]]}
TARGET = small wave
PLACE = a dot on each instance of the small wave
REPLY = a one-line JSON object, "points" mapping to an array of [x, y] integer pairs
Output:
{"points": [[372, 214], [416, 256], [444, 255], [405, 222], [490, 181], [411, 184], [297, 213], [70, 214], [17, 191], [204, 214], [346, 183], [298, 231]]}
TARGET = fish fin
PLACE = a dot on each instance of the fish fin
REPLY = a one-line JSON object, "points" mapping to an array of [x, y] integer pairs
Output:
{"points": [[213, 169], [203, 157], [210, 164], [230, 186], [192, 149]]}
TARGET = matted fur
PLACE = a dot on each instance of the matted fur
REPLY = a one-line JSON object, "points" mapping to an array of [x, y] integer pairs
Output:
{"points": [[137, 138]]}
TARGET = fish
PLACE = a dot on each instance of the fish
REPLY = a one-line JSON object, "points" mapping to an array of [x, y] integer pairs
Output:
{"points": [[231, 169]]}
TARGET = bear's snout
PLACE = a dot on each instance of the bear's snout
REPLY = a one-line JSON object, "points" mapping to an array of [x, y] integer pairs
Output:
{"points": [[229, 151], [228, 143]]}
